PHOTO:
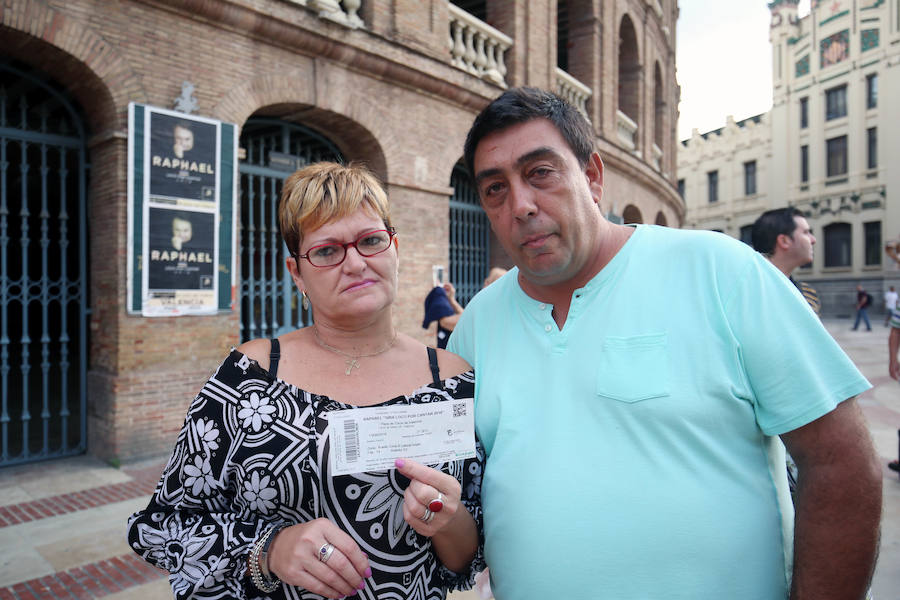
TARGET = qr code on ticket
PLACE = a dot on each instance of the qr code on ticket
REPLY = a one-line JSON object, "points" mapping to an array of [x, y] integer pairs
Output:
{"points": [[459, 409]]}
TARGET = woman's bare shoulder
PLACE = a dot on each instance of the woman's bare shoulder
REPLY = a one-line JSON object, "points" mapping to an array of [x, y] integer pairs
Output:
{"points": [[451, 364], [257, 350]]}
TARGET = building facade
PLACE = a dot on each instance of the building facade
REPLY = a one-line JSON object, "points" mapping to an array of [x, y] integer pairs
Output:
{"points": [[393, 83], [825, 147]]}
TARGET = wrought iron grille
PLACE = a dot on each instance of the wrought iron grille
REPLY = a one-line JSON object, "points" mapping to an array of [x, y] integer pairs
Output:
{"points": [[469, 237], [43, 270], [270, 304]]}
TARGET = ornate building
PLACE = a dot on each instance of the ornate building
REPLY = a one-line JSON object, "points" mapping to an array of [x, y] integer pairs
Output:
{"points": [[394, 83], [825, 147]]}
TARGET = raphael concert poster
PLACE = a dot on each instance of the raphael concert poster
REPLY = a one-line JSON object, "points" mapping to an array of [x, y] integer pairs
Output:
{"points": [[182, 158], [182, 250]]}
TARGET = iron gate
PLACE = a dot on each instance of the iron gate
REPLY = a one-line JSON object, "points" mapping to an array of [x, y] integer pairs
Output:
{"points": [[469, 237], [270, 304], [43, 270]]}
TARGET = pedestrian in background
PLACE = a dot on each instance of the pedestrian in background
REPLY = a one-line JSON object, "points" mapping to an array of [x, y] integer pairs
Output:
{"points": [[785, 238], [441, 306], [863, 301]]}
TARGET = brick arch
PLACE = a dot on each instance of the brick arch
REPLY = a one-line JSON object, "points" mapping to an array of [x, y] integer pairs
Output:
{"points": [[289, 97], [81, 60]]}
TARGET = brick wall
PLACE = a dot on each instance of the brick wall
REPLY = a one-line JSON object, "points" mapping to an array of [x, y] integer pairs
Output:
{"points": [[386, 94]]}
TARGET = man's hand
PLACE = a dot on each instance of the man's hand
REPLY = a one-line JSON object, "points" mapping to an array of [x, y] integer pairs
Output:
{"points": [[838, 506]]}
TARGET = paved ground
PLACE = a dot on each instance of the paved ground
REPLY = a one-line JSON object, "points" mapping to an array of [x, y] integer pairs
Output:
{"points": [[62, 523]]}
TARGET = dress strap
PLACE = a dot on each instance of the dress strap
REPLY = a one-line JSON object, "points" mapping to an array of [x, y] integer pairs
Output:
{"points": [[274, 357], [432, 362]]}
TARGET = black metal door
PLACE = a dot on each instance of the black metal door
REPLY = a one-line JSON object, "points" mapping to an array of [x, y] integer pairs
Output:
{"points": [[270, 304], [470, 237], [43, 270]]}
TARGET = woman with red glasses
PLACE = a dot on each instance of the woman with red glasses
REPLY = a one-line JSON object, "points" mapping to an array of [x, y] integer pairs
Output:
{"points": [[251, 504]]}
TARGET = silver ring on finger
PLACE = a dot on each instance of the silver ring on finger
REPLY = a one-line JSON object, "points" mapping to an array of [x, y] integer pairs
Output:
{"points": [[428, 516], [325, 552]]}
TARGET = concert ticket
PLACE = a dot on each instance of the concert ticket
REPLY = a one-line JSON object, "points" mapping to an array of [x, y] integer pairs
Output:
{"points": [[372, 438]]}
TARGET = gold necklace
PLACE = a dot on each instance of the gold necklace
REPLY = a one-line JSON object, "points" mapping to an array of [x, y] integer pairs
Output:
{"points": [[352, 360]]}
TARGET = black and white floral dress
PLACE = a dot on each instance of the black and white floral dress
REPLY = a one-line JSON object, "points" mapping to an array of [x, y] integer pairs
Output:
{"points": [[254, 452]]}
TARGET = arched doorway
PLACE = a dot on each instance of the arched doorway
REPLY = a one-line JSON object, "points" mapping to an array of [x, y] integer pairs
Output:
{"points": [[44, 276], [270, 303]]}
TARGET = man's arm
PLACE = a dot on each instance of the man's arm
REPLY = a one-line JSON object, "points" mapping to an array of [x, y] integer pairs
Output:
{"points": [[893, 346], [838, 506]]}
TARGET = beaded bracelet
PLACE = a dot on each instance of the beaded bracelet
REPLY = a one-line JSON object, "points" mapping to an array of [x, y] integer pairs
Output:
{"points": [[265, 584]]}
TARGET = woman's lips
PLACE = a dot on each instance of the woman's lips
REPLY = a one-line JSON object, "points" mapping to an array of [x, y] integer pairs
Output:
{"points": [[359, 285]]}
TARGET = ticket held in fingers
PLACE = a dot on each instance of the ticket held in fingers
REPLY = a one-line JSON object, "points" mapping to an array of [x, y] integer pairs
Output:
{"points": [[372, 438]]}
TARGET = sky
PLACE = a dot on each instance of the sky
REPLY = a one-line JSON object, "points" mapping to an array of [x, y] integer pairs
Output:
{"points": [[723, 61]]}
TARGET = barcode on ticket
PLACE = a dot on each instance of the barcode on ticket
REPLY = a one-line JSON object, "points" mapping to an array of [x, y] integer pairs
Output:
{"points": [[351, 440], [459, 409]]}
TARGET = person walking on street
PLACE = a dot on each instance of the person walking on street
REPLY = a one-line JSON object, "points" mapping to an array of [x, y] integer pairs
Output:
{"points": [[863, 301]]}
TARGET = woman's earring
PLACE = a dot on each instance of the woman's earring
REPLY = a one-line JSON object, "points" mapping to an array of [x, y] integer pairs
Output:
{"points": [[304, 301]]}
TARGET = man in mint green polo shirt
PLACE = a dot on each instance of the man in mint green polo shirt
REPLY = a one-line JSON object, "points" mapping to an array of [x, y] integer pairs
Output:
{"points": [[634, 387]]}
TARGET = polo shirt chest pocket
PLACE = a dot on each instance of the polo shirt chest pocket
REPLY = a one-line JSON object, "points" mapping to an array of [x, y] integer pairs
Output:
{"points": [[633, 368]]}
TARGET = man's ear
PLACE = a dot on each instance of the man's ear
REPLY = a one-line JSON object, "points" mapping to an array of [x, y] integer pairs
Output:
{"points": [[594, 173], [783, 241]]}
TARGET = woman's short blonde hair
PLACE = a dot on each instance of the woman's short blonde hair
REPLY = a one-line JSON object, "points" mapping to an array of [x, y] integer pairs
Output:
{"points": [[323, 192]]}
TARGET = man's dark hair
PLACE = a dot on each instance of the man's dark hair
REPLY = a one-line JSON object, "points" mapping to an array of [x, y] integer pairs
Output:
{"points": [[523, 104], [770, 225]]}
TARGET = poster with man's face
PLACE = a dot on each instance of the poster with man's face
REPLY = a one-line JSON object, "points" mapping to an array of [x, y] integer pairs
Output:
{"points": [[182, 250], [182, 158]]}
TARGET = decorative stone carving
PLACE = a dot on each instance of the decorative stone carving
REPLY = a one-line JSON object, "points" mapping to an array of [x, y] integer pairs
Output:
{"points": [[186, 102]]}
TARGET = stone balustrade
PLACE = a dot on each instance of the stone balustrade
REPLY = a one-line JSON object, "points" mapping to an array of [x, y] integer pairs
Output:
{"points": [[476, 47], [627, 130], [576, 93], [343, 11]]}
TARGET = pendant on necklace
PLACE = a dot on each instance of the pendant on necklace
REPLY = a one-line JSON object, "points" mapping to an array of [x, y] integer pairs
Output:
{"points": [[350, 362]]}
